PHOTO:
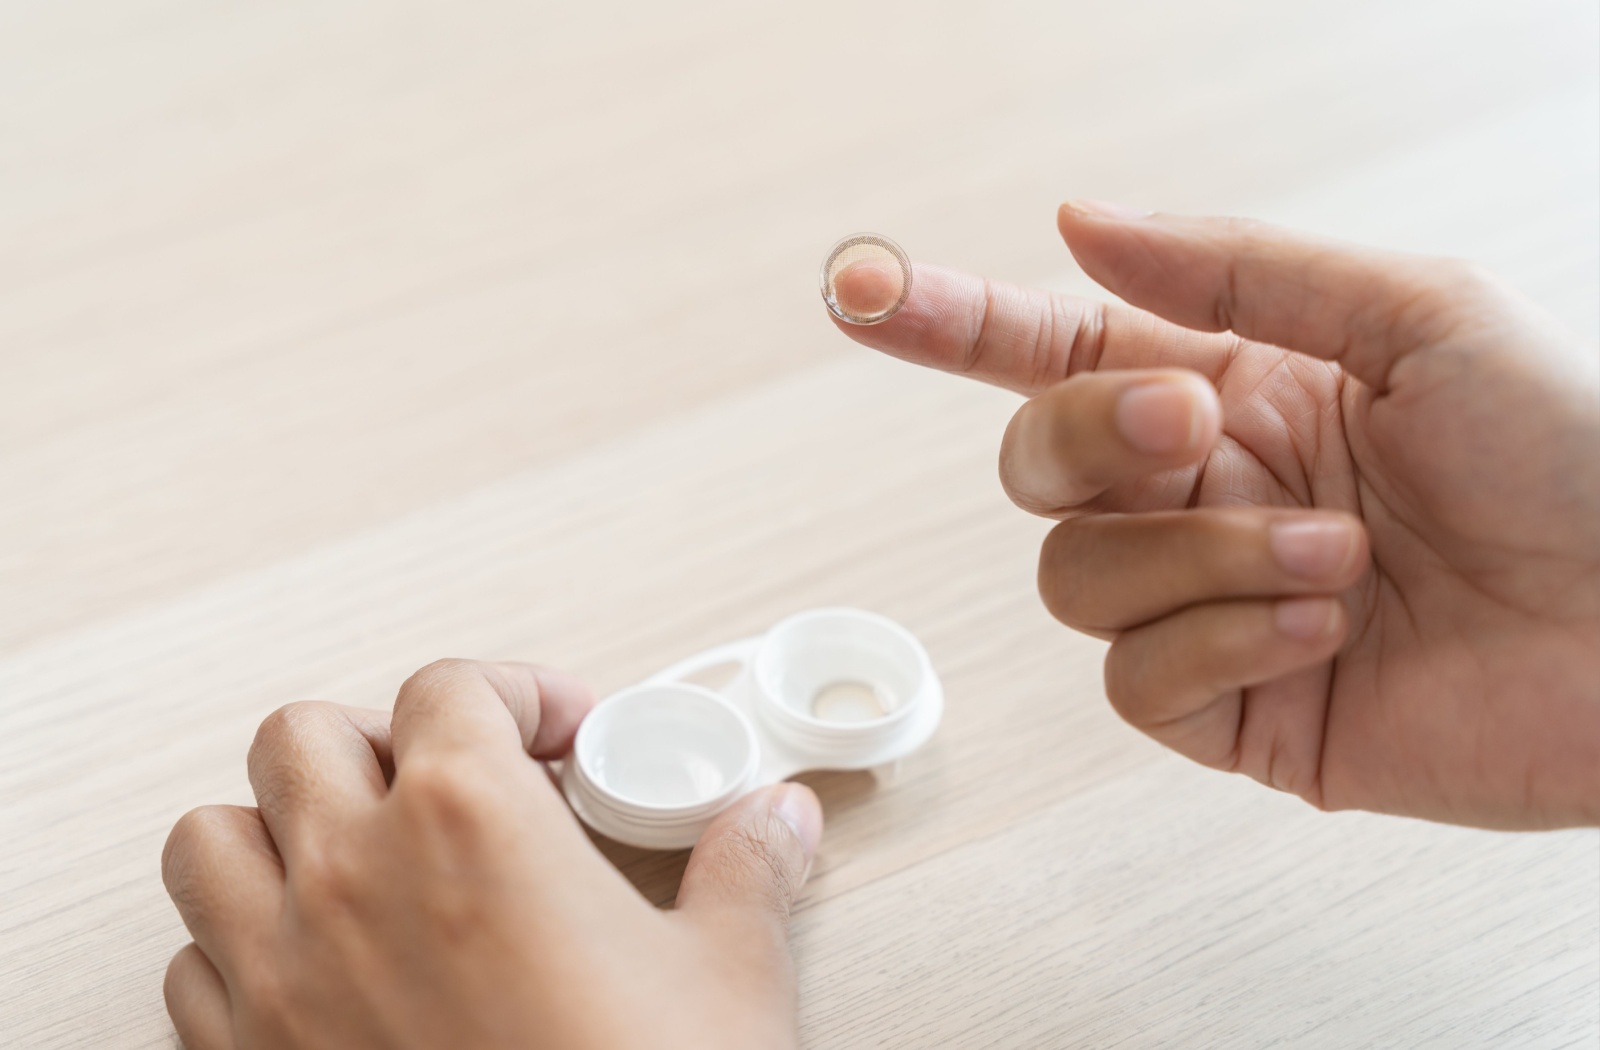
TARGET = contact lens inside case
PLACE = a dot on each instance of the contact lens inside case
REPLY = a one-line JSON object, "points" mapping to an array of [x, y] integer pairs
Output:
{"points": [[866, 278], [836, 688], [848, 702]]}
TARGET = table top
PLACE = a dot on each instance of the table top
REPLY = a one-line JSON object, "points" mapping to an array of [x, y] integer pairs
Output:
{"points": [[336, 338]]}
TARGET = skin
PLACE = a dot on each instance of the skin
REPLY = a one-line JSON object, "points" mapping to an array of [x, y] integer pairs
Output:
{"points": [[1337, 510], [419, 882], [871, 282]]}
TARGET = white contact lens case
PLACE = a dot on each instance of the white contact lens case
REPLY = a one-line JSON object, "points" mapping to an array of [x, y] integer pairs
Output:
{"points": [[824, 689]]}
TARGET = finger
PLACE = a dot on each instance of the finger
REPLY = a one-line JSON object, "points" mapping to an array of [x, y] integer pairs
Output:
{"points": [[197, 1001], [489, 707], [1361, 307], [1028, 340], [225, 877], [751, 863], [868, 287], [1108, 572], [315, 765], [1080, 437], [1180, 678]]}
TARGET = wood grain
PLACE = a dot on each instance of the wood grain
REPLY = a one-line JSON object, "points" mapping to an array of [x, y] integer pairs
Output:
{"points": [[337, 338]]}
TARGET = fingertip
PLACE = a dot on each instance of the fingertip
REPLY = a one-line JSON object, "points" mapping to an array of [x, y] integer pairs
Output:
{"points": [[1074, 222], [1027, 452], [563, 687], [562, 699], [1207, 424], [1313, 621], [1098, 429], [800, 809], [755, 856], [1066, 219], [791, 804], [898, 328], [1176, 415], [1327, 549], [866, 290], [1081, 210]]}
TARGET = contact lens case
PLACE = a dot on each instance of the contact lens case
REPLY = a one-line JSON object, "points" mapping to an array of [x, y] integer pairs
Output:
{"points": [[654, 763]]}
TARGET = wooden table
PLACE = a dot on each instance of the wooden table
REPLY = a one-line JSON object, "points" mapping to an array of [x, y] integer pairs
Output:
{"points": [[338, 337]]}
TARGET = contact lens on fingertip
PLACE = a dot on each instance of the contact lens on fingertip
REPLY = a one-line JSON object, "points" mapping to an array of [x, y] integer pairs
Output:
{"points": [[866, 279]]}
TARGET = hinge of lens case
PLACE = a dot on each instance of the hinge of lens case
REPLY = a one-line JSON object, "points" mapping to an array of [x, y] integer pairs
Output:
{"points": [[823, 689]]}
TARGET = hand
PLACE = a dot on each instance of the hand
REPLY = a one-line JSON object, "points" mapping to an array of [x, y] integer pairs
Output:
{"points": [[420, 883], [1337, 510]]}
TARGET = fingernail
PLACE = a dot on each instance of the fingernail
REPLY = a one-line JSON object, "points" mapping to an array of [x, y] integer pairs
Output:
{"points": [[796, 806], [1160, 418], [1305, 619], [1108, 210], [1311, 549]]}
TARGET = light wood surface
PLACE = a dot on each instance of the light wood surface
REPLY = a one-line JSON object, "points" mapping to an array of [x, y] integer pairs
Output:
{"points": [[338, 337]]}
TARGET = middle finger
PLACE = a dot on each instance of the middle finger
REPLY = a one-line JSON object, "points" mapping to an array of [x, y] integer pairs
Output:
{"points": [[1097, 429], [314, 764]]}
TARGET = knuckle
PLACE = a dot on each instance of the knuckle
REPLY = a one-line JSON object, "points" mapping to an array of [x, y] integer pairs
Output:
{"points": [[1011, 326], [1440, 291], [292, 721], [183, 858], [984, 326], [283, 730], [283, 735], [1087, 343], [747, 858], [440, 674], [1063, 327]]}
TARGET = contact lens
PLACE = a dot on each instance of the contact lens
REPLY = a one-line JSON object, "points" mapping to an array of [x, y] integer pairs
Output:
{"points": [[848, 701], [866, 278]]}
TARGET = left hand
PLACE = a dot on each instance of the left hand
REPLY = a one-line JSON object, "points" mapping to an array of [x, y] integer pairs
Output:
{"points": [[419, 882]]}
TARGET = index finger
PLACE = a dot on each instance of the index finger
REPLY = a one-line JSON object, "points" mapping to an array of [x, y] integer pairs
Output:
{"points": [[488, 707], [1028, 340]]}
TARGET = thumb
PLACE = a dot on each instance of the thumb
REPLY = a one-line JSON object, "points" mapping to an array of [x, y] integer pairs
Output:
{"points": [[1361, 307], [751, 862]]}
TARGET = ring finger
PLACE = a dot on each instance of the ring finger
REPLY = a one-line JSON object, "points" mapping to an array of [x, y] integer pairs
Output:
{"points": [[1107, 572], [313, 764]]}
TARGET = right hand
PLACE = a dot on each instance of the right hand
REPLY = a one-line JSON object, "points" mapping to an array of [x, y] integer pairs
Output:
{"points": [[1337, 510]]}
